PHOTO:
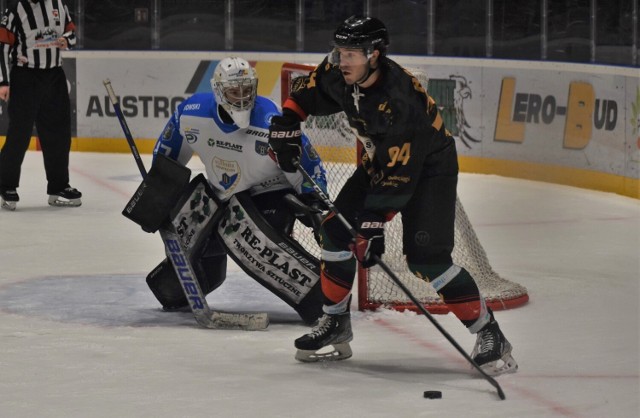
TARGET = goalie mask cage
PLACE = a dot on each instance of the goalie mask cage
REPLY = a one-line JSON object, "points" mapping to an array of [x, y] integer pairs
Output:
{"points": [[337, 145]]}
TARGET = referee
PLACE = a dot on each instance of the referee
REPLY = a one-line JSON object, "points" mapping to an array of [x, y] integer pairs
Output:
{"points": [[32, 34]]}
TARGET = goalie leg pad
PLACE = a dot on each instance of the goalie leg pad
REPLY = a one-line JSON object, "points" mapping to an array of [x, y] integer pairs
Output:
{"points": [[165, 286], [270, 256], [210, 270]]}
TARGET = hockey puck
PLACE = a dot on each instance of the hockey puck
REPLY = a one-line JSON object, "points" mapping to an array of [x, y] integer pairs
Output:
{"points": [[432, 394]]}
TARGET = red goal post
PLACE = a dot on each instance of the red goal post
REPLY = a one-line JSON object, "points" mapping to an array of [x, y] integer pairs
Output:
{"points": [[338, 148]]}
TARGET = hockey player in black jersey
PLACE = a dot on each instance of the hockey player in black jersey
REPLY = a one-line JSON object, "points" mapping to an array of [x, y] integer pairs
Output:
{"points": [[408, 165]]}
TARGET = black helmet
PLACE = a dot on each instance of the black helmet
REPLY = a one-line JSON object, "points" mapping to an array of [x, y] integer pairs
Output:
{"points": [[362, 32]]}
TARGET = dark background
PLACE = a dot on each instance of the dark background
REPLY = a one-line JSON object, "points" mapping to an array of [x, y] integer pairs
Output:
{"points": [[595, 31]]}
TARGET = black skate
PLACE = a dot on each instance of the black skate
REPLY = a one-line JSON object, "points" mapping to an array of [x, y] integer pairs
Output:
{"points": [[334, 330], [492, 351], [9, 198], [69, 197]]}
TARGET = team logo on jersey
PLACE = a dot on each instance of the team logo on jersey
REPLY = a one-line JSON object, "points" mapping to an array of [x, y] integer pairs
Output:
{"points": [[47, 34], [311, 152], [168, 131], [191, 135], [56, 16], [227, 173], [225, 145], [262, 148]]}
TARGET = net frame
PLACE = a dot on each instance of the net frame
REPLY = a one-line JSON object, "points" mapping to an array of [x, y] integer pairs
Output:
{"points": [[338, 147]]}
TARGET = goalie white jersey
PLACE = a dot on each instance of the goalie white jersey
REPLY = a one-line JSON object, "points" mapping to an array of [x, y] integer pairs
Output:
{"points": [[235, 159]]}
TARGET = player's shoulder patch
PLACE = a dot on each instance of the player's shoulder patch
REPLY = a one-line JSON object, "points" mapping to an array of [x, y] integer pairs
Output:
{"points": [[263, 110], [299, 83], [168, 131]]}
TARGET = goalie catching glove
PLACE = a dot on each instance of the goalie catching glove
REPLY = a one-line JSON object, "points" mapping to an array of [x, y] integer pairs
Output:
{"points": [[285, 140], [369, 240]]}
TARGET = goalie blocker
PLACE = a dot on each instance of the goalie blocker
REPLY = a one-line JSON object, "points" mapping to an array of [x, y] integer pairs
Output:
{"points": [[238, 229]]}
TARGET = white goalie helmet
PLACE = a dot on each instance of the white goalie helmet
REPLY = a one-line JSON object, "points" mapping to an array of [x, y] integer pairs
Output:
{"points": [[235, 85]]}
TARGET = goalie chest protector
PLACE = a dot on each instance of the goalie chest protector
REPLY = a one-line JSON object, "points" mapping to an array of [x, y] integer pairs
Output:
{"points": [[276, 261]]}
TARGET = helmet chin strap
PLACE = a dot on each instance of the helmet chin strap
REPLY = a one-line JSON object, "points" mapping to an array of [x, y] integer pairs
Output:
{"points": [[370, 71]]}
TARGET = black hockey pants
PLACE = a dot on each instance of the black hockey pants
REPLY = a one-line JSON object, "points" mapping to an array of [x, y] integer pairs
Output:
{"points": [[41, 97]]}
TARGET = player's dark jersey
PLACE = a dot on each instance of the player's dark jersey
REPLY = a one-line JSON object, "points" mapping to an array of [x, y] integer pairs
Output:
{"points": [[396, 121]]}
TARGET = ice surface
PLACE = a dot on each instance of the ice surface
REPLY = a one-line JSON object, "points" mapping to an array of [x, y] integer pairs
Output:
{"points": [[82, 336]]}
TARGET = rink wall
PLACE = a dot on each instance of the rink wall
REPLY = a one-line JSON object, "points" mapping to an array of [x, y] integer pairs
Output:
{"points": [[572, 124]]}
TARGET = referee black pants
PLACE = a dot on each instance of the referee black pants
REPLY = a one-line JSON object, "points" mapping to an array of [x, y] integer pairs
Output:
{"points": [[40, 97]]}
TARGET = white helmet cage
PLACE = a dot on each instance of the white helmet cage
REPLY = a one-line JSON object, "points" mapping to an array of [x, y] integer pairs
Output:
{"points": [[235, 85]]}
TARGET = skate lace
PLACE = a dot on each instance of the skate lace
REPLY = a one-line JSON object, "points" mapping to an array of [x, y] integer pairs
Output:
{"points": [[323, 326], [487, 341]]}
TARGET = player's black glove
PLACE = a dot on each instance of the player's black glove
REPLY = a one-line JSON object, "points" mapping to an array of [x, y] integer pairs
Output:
{"points": [[369, 239], [313, 216], [285, 140], [308, 210]]}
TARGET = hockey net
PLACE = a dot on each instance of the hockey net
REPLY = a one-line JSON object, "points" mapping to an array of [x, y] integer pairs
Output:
{"points": [[337, 145]]}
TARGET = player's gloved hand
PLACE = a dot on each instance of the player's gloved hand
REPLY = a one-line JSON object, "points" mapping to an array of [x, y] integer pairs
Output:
{"points": [[285, 140], [313, 216], [369, 239]]}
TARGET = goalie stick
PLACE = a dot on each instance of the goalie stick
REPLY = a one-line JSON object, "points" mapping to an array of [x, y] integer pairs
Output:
{"points": [[325, 199], [176, 253]]}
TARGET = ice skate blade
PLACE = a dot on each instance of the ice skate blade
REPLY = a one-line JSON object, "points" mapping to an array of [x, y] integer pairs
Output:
{"points": [[61, 202], [507, 364], [8, 205], [340, 351]]}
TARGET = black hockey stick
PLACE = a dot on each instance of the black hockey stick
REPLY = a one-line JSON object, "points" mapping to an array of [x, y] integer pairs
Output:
{"points": [[325, 199], [176, 253], [125, 128]]}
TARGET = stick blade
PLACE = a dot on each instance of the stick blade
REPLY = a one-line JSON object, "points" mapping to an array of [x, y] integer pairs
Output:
{"points": [[242, 321]]}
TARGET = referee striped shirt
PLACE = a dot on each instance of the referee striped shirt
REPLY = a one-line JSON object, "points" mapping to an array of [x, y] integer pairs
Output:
{"points": [[28, 35]]}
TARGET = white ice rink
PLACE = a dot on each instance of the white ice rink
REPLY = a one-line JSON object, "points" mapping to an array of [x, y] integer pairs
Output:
{"points": [[82, 336]]}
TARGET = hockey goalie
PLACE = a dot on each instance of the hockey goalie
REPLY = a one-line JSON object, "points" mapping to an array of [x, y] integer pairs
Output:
{"points": [[242, 209]]}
